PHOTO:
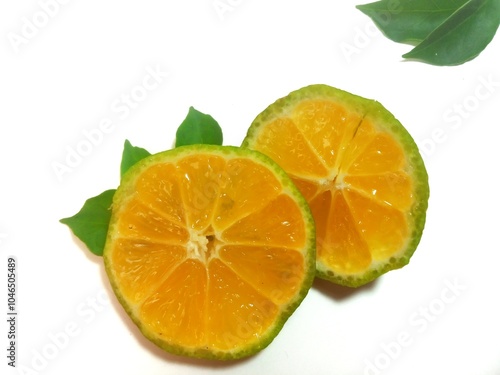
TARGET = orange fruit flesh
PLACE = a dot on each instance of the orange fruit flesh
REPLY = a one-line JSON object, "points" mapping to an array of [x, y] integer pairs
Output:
{"points": [[353, 173], [207, 253]]}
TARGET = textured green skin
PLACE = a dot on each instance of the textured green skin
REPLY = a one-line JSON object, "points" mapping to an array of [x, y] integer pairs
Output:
{"points": [[384, 120], [123, 193]]}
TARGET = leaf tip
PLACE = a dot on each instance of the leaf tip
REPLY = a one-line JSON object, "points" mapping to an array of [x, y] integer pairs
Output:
{"points": [[198, 128]]}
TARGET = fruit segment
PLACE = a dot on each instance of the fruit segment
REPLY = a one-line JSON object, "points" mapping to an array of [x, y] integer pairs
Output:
{"points": [[141, 266], [175, 312], [158, 188], [200, 187], [243, 178], [274, 272], [280, 223], [391, 188], [321, 208], [309, 189], [384, 228], [328, 127], [355, 145], [141, 222], [287, 146], [381, 155], [237, 313], [342, 247]]}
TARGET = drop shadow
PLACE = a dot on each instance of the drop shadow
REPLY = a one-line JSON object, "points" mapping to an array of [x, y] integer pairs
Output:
{"points": [[341, 293]]}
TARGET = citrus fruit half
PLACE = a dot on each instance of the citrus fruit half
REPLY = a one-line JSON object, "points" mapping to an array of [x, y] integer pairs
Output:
{"points": [[361, 173], [210, 249]]}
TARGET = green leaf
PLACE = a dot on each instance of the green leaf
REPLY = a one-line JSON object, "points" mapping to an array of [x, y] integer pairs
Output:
{"points": [[91, 223], [131, 155], [409, 21], [198, 128], [462, 36], [445, 32]]}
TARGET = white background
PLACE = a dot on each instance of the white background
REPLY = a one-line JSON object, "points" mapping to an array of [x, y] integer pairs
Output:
{"points": [[72, 72]]}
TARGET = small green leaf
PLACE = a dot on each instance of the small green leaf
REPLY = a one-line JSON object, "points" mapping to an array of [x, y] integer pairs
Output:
{"points": [[198, 128], [131, 155], [462, 36], [91, 223], [410, 21]]}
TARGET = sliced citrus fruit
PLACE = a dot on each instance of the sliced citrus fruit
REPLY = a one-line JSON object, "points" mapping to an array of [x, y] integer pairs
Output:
{"points": [[210, 249], [361, 173]]}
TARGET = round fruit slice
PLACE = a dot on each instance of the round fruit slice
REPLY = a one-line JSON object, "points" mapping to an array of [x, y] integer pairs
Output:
{"points": [[210, 249], [359, 170]]}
